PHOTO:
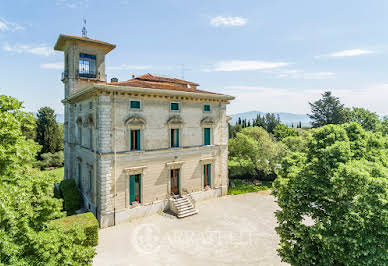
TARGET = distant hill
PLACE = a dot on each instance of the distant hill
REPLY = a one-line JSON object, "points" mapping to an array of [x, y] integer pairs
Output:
{"points": [[285, 118]]}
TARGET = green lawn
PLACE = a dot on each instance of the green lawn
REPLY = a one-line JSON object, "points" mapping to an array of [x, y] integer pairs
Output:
{"points": [[241, 187], [59, 174]]}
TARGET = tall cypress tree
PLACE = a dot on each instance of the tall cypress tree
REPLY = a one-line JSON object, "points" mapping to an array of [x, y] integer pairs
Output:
{"points": [[47, 131]]}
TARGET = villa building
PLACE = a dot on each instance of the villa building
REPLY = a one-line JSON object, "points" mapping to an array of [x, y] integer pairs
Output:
{"points": [[140, 146]]}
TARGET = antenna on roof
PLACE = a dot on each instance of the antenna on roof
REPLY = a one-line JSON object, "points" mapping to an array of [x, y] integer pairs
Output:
{"points": [[183, 70], [84, 30]]}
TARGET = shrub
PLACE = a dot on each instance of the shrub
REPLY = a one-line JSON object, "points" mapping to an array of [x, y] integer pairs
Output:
{"points": [[71, 196], [51, 160], [86, 221]]}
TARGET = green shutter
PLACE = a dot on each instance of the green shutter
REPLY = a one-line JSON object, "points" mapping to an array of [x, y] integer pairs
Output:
{"points": [[131, 189], [178, 179], [177, 138], [139, 188], [207, 136], [206, 108], [138, 140], [209, 171]]}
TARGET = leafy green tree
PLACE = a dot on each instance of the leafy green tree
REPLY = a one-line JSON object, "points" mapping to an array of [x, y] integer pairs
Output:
{"points": [[383, 128], [254, 147], [48, 134], [328, 110], [27, 205], [282, 131], [367, 119], [333, 199], [15, 149], [271, 121]]}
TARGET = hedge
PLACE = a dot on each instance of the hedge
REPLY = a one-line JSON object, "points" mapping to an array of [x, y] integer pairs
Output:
{"points": [[72, 200], [87, 221]]}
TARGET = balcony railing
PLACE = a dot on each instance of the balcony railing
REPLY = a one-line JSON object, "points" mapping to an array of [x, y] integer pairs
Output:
{"points": [[89, 75]]}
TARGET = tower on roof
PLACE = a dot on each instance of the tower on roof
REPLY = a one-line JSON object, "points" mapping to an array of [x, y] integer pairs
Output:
{"points": [[84, 61]]}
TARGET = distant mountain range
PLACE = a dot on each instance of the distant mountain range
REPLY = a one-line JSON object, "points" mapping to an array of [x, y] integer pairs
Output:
{"points": [[285, 118]]}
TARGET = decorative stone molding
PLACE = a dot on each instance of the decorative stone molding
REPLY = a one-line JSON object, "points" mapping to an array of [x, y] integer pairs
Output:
{"points": [[135, 121], [208, 121], [135, 170], [208, 160], [174, 165], [175, 120]]}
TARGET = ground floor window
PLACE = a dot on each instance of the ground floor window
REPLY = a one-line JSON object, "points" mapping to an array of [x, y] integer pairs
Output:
{"points": [[207, 170], [134, 189], [79, 175], [90, 181], [174, 174]]}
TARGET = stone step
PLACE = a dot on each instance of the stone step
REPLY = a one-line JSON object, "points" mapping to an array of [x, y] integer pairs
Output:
{"points": [[185, 208], [187, 214], [186, 211], [182, 203], [181, 200]]}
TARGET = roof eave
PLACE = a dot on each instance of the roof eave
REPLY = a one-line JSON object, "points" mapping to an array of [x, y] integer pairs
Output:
{"points": [[148, 90]]}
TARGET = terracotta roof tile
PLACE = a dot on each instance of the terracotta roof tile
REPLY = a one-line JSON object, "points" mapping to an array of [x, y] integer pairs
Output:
{"points": [[162, 83]]}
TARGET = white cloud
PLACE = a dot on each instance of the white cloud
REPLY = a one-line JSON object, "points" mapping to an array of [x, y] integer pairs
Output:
{"points": [[243, 65], [9, 26], [228, 21], [72, 3], [270, 99], [347, 53], [44, 50], [129, 67], [301, 74], [56, 65]]}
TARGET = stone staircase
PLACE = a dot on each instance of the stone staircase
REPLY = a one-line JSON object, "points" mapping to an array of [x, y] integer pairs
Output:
{"points": [[183, 207]]}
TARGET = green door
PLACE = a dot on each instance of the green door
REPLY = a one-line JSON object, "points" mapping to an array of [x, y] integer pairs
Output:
{"points": [[131, 189]]}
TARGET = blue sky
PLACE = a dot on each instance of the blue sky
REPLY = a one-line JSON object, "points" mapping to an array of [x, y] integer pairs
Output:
{"points": [[274, 56]]}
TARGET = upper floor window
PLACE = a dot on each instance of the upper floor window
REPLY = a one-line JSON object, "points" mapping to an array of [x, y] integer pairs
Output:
{"points": [[87, 65], [174, 106], [175, 137], [206, 108], [135, 104], [90, 105], [207, 138], [91, 138], [135, 140]]}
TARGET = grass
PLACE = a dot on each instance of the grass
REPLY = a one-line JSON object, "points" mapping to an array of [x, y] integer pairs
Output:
{"points": [[59, 174], [241, 187]]}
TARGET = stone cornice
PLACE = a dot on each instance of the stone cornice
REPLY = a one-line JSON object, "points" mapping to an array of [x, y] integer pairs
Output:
{"points": [[97, 89]]}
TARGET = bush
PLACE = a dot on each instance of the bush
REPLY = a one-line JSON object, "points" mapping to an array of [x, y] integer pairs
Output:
{"points": [[86, 221], [71, 196], [51, 160]]}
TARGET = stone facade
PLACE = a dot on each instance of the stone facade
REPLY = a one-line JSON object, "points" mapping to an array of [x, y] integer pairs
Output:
{"points": [[98, 124]]}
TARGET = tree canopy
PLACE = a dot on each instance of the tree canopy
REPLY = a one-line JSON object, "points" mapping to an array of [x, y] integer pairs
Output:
{"points": [[256, 149], [27, 204], [327, 110], [333, 199], [48, 133]]}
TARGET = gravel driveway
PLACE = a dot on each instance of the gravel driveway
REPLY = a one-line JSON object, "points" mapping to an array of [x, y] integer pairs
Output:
{"points": [[232, 230]]}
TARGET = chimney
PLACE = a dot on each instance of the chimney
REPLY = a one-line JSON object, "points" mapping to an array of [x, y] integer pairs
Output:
{"points": [[133, 76], [114, 80]]}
